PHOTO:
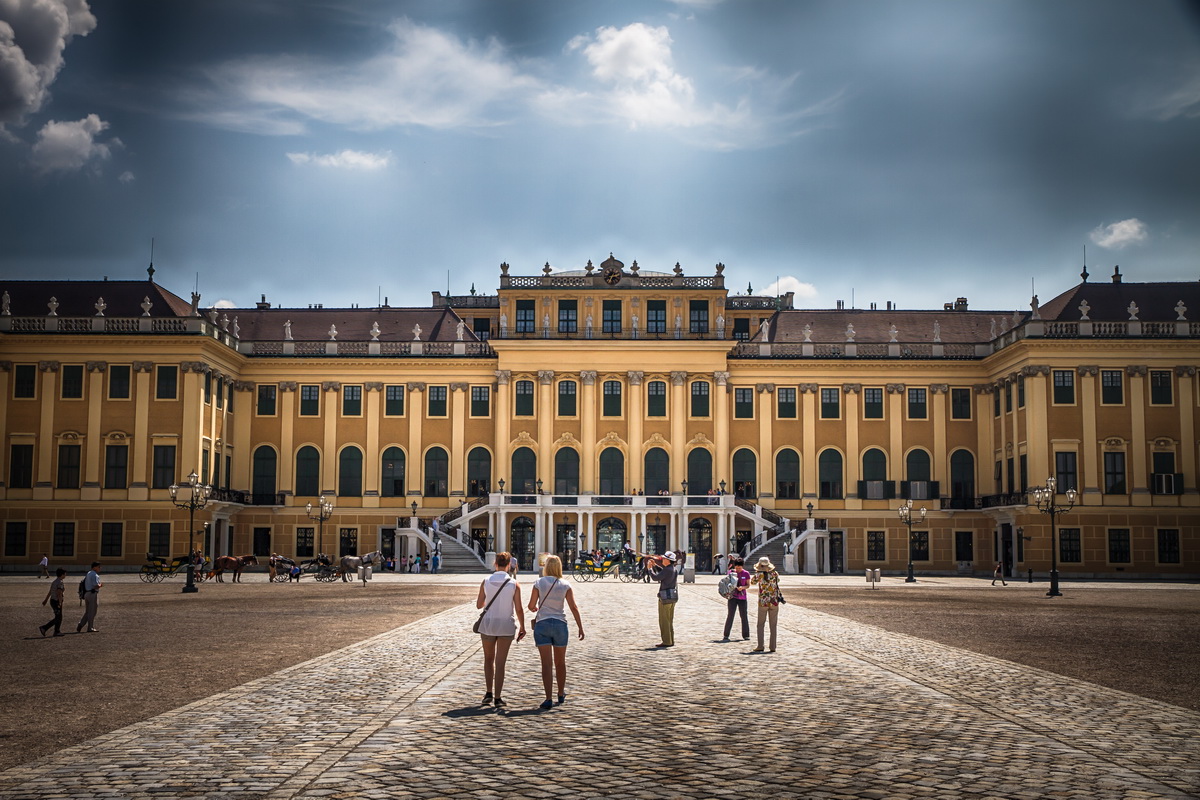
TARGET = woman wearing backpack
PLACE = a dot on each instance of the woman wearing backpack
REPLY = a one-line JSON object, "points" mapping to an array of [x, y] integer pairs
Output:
{"points": [[736, 601]]}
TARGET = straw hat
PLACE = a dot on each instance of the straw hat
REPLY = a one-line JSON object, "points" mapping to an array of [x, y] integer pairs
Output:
{"points": [[764, 565]]}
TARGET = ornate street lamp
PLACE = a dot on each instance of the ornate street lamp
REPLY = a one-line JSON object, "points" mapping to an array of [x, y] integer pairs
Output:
{"points": [[905, 512], [810, 510], [722, 487], [1043, 498], [323, 512], [501, 484], [684, 483], [539, 485], [195, 496]]}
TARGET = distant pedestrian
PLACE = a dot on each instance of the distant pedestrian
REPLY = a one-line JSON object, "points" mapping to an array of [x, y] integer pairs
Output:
{"points": [[500, 599], [998, 575], [718, 564], [766, 577], [91, 602], [435, 562], [44, 564], [294, 574], [514, 566], [549, 594], [736, 604], [668, 595], [55, 598]]}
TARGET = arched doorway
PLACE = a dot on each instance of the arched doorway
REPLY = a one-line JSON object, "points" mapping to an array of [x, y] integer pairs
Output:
{"points": [[566, 471], [479, 472], [523, 543], [700, 543], [699, 472], [612, 472], [745, 474], [611, 534], [656, 475], [524, 471]]}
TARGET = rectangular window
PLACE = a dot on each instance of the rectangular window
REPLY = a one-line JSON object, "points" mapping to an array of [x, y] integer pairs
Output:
{"points": [[437, 401], [873, 403], [118, 382], [164, 466], [229, 397], [216, 472], [700, 391], [1007, 397], [656, 399], [1118, 546], [64, 539], [261, 542], [159, 543], [523, 399], [612, 398], [1066, 474], [996, 404], [481, 401], [208, 388], [482, 326], [611, 319], [393, 400], [964, 545], [1160, 388], [310, 400], [1064, 387], [567, 399], [831, 400], [205, 459], [220, 394], [568, 316], [698, 316], [920, 545], [112, 536], [1114, 473], [1023, 471], [743, 403], [351, 401], [1112, 389], [116, 466], [1163, 478], [1070, 549], [68, 466], [25, 381], [656, 316], [166, 383], [267, 394], [1168, 546], [526, 314], [20, 466], [228, 470], [304, 542], [960, 404], [72, 382], [16, 536], [785, 403], [918, 407], [876, 545], [1020, 391], [741, 328]]}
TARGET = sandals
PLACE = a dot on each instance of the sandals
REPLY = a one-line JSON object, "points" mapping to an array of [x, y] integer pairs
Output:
{"points": [[487, 700], [546, 704]]}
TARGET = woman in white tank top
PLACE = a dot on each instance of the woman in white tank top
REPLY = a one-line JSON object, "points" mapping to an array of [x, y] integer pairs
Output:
{"points": [[549, 596]]}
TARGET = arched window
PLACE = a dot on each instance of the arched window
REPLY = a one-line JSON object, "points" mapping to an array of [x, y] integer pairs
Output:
{"points": [[308, 472], [656, 475], [787, 475], [392, 484], [437, 473], [350, 462], [874, 465], [829, 473], [612, 471], [566, 471], [962, 477], [524, 471], [479, 472], [264, 475], [699, 471], [745, 474], [917, 485]]}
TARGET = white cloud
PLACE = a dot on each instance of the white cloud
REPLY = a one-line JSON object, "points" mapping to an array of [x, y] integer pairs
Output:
{"points": [[1181, 100], [69, 146], [1119, 234], [33, 35], [345, 159], [126, 177], [224, 304], [788, 283]]}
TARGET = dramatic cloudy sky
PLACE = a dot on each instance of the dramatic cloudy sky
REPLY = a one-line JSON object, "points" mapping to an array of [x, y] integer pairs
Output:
{"points": [[335, 150]]}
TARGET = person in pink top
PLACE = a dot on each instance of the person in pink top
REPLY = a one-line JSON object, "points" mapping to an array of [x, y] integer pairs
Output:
{"points": [[737, 600]]}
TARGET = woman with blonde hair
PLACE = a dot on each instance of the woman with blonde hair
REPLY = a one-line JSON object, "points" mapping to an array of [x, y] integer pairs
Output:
{"points": [[500, 599], [550, 593]]}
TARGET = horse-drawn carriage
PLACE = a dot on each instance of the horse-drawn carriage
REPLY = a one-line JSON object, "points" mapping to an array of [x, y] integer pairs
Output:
{"points": [[627, 566], [321, 568], [158, 568]]}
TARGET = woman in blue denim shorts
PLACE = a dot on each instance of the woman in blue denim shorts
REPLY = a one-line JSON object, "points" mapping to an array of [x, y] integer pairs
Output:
{"points": [[549, 598]]}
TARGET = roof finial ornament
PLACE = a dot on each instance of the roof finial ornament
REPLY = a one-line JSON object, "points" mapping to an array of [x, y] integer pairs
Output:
{"points": [[678, 269], [375, 331], [589, 267], [1116, 278], [1084, 274], [1033, 306], [546, 269], [1181, 310], [5, 301], [634, 267], [749, 288], [146, 304], [150, 269], [52, 305], [1084, 309], [100, 306], [333, 333], [504, 268], [937, 331]]}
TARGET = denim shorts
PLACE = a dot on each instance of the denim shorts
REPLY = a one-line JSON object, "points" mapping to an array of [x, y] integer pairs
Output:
{"points": [[550, 631]]}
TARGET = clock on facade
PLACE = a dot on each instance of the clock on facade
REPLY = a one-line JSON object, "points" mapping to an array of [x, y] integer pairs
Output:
{"points": [[612, 275]]}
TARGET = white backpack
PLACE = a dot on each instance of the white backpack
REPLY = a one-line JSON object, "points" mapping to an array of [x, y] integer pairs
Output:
{"points": [[727, 585]]}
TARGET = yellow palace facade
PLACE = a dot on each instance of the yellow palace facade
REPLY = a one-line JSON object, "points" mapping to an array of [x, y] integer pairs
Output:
{"points": [[586, 408]]}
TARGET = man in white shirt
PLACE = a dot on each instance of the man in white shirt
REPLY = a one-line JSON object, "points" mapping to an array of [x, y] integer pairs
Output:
{"points": [[91, 593], [45, 565]]}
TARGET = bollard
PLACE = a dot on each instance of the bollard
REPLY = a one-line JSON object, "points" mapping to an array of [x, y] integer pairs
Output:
{"points": [[1031, 574]]}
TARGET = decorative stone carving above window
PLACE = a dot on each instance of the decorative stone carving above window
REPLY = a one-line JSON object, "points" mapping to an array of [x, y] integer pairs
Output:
{"points": [[1041, 369], [809, 388], [5, 366], [851, 388], [635, 377], [1185, 370], [611, 438], [983, 388], [116, 436], [721, 377], [243, 386], [566, 439], [588, 376], [416, 386], [1114, 442], [895, 388], [1164, 443], [657, 439], [769, 388], [700, 439], [373, 386], [194, 366], [939, 388], [523, 438], [458, 387], [288, 386]]}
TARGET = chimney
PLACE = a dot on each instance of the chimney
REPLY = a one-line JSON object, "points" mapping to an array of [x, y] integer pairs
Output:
{"points": [[262, 303], [1116, 274], [960, 304]]}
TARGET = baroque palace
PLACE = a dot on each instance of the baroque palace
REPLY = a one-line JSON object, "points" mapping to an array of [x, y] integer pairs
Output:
{"points": [[587, 408]]}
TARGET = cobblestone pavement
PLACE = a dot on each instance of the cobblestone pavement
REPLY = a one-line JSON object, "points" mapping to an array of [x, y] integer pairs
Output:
{"points": [[842, 710]]}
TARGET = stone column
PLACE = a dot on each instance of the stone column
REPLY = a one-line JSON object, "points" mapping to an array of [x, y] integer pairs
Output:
{"points": [[545, 462], [331, 393], [897, 394], [140, 446], [287, 435], [937, 392], [808, 440], [500, 459], [721, 419], [414, 470], [587, 418], [678, 430], [766, 441], [241, 478], [1091, 467], [459, 400], [851, 418], [1139, 488], [193, 405], [372, 464], [43, 484], [636, 417], [1186, 402]]}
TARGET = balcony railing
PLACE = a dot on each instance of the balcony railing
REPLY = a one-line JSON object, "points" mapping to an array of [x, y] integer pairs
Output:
{"points": [[1000, 500]]}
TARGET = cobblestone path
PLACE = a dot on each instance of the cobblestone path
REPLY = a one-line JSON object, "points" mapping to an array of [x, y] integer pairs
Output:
{"points": [[842, 710]]}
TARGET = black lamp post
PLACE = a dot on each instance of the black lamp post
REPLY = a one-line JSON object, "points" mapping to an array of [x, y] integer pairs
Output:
{"points": [[684, 483], [501, 484], [722, 487], [539, 485], [905, 512], [1043, 498], [324, 511], [195, 496], [810, 510]]}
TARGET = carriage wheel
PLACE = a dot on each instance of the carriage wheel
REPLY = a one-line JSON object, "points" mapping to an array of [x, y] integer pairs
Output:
{"points": [[147, 574], [280, 576], [626, 576]]}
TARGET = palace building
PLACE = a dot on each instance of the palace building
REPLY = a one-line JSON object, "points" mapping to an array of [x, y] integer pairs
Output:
{"points": [[586, 408]]}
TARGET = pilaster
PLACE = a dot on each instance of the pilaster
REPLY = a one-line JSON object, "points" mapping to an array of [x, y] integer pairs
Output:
{"points": [[459, 399], [587, 414], [851, 417], [371, 461], [637, 395], [43, 485], [287, 437], [1139, 452], [330, 410], [140, 446], [678, 429], [91, 474], [414, 478]]}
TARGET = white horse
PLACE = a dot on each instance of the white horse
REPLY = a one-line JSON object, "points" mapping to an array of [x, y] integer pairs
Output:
{"points": [[351, 564]]}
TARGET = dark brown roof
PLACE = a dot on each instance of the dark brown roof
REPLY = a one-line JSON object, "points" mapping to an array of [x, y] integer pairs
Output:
{"points": [[78, 298], [874, 326], [353, 324], [1109, 302]]}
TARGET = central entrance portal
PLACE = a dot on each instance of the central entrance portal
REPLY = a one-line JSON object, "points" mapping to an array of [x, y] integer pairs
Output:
{"points": [[700, 543], [611, 534], [523, 545]]}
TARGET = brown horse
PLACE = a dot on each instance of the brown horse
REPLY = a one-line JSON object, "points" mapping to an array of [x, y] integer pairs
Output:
{"points": [[235, 563]]}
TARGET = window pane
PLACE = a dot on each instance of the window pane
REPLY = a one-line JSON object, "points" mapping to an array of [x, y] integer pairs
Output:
{"points": [[20, 466], [917, 408], [785, 400], [612, 398], [1064, 387], [351, 401], [118, 382], [743, 403], [525, 316], [873, 403], [68, 466], [437, 401], [523, 399], [63, 543], [700, 399], [831, 404], [167, 386], [1118, 546], [1070, 551], [1111, 388], [656, 316], [266, 400], [611, 321], [481, 402], [25, 381], [111, 537], [394, 401], [568, 316], [310, 400], [656, 399], [16, 538], [72, 381], [698, 316], [566, 399], [116, 460], [960, 403], [1161, 388]]}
